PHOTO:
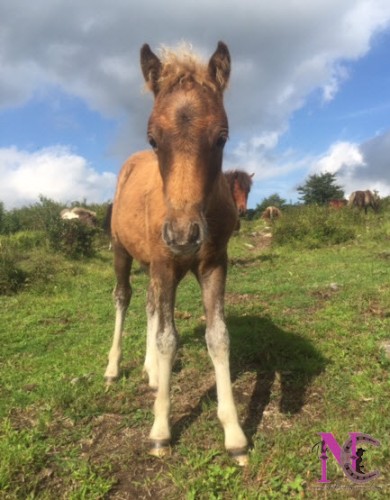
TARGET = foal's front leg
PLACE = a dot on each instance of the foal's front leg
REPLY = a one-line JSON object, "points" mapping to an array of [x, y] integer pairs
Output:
{"points": [[212, 280], [151, 364], [162, 288]]}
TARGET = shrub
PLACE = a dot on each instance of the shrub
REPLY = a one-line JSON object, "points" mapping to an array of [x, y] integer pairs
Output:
{"points": [[29, 218], [23, 241], [314, 227], [71, 237], [12, 277]]}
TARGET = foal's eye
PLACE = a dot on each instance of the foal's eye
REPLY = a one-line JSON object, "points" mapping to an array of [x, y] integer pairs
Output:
{"points": [[221, 141], [152, 142]]}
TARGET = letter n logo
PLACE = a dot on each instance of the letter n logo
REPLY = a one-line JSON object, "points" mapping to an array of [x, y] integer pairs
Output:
{"points": [[347, 456]]}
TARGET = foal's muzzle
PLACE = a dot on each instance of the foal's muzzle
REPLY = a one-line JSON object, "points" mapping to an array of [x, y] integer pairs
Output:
{"points": [[183, 239]]}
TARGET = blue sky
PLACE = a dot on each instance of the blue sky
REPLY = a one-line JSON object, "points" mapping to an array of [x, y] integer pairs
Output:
{"points": [[360, 108], [308, 92], [53, 118]]}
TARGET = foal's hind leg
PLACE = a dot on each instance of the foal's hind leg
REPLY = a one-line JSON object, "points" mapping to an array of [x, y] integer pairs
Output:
{"points": [[122, 296], [212, 280]]}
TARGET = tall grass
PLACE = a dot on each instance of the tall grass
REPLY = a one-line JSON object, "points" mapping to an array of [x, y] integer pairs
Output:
{"points": [[315, 226], [34, 259]]}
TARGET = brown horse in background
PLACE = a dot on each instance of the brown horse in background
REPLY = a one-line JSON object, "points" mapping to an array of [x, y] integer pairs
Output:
{"points": [[174, 213], [337, 204], [364, 199], [240, 184]]}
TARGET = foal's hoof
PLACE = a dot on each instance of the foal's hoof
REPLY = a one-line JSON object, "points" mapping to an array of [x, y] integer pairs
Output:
{"points": [[160, 449], [152, 382], [110, 380], [240, 456]]}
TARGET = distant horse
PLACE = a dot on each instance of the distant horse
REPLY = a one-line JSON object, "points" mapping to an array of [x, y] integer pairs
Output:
{"points": [[337, 204], [271, 213], [86, 216], [240, 184], [364, 199], [174, 213]]}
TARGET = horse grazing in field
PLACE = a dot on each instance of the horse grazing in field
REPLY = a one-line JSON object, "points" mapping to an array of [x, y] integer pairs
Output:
{"points": [[337, 204], [364, 199], [271, 213], [240, 184], [88, 217], [174, 213]]}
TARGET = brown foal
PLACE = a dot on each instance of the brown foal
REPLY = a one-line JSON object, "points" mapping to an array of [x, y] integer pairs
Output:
{"points": [[174, 213]]}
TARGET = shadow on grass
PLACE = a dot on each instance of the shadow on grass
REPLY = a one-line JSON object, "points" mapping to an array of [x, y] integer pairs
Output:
{"points": [[259, 346]]}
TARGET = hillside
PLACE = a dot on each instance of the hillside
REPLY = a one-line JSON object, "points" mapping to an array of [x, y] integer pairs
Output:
{"points": [[308, 312]]}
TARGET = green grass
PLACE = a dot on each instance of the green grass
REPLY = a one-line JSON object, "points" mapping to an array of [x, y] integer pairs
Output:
{"points": [[306, 324]]}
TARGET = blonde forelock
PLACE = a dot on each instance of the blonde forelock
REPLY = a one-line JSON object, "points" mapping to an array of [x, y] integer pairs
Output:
{"points": [[180, 64]]}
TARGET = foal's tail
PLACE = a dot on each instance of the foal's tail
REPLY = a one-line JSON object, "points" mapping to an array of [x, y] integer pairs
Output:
{"points": [[107, 221]]}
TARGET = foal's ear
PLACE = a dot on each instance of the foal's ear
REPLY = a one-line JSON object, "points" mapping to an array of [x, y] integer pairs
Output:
{"points": [[151, 68], [219, 66]]}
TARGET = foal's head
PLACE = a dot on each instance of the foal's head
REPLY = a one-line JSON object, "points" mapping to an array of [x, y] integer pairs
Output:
{"points": [[187, 130]]}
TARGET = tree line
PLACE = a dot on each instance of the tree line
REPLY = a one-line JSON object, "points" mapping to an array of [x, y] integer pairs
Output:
{"points": [[41, 215], [318, 189]]}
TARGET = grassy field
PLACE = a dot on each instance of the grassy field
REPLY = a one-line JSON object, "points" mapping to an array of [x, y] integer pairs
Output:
{"points": [[309, 327]]}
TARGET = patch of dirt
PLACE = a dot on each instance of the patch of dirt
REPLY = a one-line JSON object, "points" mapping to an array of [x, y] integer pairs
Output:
{"points": [[125, 445], [384, 255], [125, 448], [376, 309], [266, 402], [234, 298], [261, 239], [385, 345], [182, 314], [327, 292], [269, 401]]}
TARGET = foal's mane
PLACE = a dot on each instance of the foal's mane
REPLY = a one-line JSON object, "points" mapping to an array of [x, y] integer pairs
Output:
{"points": [[181, 65], [243, 178]]}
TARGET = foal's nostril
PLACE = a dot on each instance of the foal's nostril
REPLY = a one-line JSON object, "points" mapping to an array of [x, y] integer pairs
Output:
{"points": [[194, 235], [181, 239], [168, 236]]}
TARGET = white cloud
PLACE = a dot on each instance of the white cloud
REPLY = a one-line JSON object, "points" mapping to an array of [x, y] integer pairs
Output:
{"points": [[54, 172], [358, 166], [344, 155], [282, 51]]}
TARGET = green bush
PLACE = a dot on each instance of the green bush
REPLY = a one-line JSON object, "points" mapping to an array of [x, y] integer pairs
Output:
{"points": [[72, 237], [12, 277], [314, 226], [23, 241], [34, 217]]}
